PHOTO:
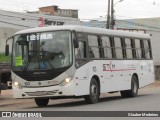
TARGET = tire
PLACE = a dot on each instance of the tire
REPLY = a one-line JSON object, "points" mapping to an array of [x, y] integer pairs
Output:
{"points": [[41, 102], [93, 97], [134, 88]]}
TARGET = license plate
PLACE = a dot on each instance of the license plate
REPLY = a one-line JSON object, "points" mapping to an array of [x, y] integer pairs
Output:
{"points": [[40, 93]]}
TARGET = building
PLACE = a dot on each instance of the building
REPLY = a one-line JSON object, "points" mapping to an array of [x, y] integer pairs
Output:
{"points": [[55, 11], [147, 26], [11, 22]]}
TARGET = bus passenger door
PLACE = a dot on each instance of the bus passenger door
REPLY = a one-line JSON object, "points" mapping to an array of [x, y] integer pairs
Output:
{"points": [[82, 72]]}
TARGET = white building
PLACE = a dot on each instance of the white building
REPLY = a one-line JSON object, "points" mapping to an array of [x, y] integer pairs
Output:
{"points": [[11, 22]]}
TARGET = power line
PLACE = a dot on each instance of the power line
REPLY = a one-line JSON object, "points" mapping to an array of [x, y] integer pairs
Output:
{"points": [[18, 13], [16, 24], [17, 17]]}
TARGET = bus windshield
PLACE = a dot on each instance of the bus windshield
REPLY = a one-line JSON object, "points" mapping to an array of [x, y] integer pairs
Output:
{"points": [[42, 51]]}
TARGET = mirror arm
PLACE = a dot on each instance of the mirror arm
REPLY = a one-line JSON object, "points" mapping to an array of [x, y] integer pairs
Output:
{"points": [[9, 39], [7, 46]]}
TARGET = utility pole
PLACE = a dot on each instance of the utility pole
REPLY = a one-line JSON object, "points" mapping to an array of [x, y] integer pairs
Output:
{"points": [[108, 16], [112, 14]]}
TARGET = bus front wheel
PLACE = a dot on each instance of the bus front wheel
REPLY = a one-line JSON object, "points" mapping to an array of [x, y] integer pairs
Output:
{"points": [[41, 102], [134, 88], [93, 97]]}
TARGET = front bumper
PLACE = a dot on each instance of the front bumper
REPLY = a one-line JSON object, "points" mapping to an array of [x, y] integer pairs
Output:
{"points": [[42, 92]]}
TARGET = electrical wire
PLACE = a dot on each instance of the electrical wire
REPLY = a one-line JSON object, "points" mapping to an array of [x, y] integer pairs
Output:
{"points": [[17, 17], [16, 24]]}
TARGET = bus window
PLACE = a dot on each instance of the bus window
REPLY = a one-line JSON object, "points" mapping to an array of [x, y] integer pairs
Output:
{"points": [[138, 49], [80, 52], [147, 49], [150, 50], [128, 48], [94, 47], [123, 48], [142, 48], [106, 47], [118, 48], [92, 40], [112, 47], [95, 52], [133, 48]]}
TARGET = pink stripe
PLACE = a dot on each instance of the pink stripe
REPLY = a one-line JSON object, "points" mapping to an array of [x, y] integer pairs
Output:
{"points": [[120, 70]]}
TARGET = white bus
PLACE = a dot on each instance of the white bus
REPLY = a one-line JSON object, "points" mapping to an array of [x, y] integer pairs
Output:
{"points": [[75, 61]]}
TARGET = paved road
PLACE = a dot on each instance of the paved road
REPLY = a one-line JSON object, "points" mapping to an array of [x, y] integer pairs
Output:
{"points": [[147, 100]]}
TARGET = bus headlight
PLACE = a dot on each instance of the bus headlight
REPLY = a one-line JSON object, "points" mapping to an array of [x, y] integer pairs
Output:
{"points": [[17, 84], [66, 81]]}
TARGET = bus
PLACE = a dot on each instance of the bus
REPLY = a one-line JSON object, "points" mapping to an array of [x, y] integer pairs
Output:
{"points": [[73, 61]]}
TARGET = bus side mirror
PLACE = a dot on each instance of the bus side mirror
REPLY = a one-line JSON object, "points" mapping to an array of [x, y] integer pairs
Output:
{"points": [[7, 50], [76, 43]]}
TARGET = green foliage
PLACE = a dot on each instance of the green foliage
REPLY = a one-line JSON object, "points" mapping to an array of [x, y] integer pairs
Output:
{"points": [[5, 59]]}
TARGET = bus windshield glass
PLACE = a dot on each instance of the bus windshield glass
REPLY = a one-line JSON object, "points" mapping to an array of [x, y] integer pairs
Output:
{"points": [[42, 51]]}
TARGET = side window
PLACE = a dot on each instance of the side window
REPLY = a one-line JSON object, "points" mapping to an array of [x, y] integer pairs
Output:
{"points": [[80, 53], [138, 48], [142, 48], [94, 52], [113, 47], [128, 45], [106, 47], [123, 48], [94, 47], [92, 40], [118, 48], [147, 49], [150, 50]]}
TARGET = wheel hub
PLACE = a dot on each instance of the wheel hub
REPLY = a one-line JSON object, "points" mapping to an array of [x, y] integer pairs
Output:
{"points": [[94, 91]]}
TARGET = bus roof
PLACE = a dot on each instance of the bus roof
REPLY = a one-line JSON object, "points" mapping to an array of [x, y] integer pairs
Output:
{"points": [[91, 30]]}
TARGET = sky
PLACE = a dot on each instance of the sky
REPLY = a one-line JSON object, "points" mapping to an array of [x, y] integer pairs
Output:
{"points": [[90, 9]]}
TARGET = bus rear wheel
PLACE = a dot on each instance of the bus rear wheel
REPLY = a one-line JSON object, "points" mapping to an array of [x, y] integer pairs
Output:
{"points": [[41, 102], [134, 88], [93, 97]]}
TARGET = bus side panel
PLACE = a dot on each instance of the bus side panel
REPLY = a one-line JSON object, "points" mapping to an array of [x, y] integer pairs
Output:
{"points": [[85, 74], [82, 80], [146, 75], [114, 75]]}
